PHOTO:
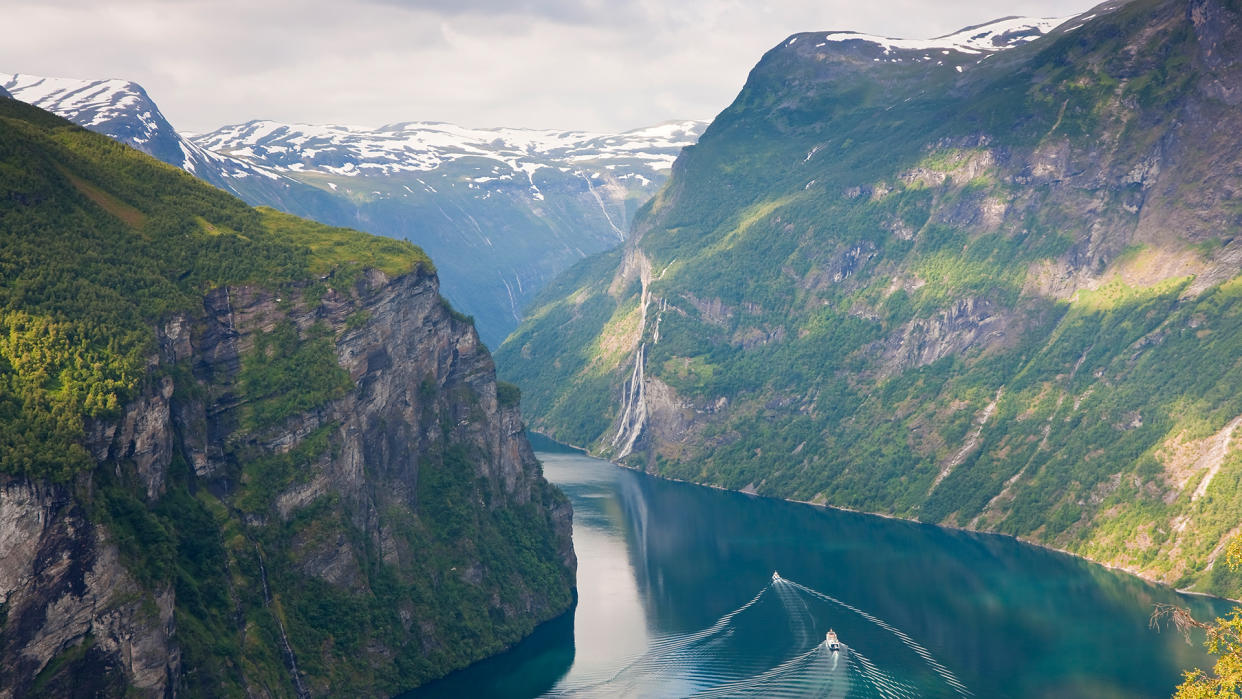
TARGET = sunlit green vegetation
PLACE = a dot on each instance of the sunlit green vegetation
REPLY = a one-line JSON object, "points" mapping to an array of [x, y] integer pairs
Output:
{"points": [[341, 251], [286, 373], [99, 242]]}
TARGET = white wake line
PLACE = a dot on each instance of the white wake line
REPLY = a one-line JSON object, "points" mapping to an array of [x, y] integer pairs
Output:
{"points": [[880, 679], [726, 689], [901, 635], [788, 598], [674, 643]]}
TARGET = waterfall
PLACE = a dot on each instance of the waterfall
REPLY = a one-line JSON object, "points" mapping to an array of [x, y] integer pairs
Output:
{"points": [[284, 637], [633, 399], [634, 406]]}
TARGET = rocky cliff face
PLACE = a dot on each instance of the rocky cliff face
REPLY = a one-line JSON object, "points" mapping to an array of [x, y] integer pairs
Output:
{"points": [[390, 498], [66, 595]]}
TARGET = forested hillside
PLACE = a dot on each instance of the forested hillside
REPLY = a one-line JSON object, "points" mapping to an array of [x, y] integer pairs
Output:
{"points": [[242, 453], [992, 285]]}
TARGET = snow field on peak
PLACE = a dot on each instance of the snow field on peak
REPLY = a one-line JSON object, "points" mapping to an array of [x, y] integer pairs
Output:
{"points": [[983, 39], [70, 94], [108, 106], [425, 146]]}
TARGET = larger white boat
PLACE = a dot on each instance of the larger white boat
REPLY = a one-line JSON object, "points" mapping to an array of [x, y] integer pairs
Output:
{"points": [[831, 640]]}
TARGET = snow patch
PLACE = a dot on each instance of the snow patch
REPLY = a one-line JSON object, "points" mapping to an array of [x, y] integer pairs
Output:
{"points": [[982, 39], [427, 146]]}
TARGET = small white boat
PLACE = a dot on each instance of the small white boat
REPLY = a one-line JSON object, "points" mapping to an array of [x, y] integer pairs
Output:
{"points": [[831, 640], [776, 577]]}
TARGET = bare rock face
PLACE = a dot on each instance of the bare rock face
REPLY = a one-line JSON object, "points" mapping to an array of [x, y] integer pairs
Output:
{"points": [[66, 593], [419, 386], [967, 324]]}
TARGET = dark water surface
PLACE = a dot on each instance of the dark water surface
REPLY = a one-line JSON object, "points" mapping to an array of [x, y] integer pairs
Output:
{"points": [[677, 598]]}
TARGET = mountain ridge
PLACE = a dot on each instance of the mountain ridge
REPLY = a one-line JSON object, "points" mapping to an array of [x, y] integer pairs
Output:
{"points": [[123, 110], [414, 146], [985, 38], [998, 298]]}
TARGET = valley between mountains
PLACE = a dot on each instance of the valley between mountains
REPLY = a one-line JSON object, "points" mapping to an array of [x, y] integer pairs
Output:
{"points": [[253, 441]]}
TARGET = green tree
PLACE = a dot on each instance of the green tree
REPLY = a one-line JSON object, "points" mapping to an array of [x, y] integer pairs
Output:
{"points": [[1224, 640]]}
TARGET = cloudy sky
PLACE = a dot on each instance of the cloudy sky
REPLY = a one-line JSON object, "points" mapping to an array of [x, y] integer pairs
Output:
{"points": [[582, 64]]}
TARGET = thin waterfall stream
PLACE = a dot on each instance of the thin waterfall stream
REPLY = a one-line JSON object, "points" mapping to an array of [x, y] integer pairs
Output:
{"points": [[290, 659]]}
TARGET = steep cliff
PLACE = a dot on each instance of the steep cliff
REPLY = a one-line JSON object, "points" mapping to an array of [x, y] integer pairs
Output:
{"points": [[988, 280], [243, 454]]}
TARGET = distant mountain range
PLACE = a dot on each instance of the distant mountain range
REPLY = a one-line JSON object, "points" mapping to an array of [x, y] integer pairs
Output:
{"points": [[501, 211], [124, 111], [417, 147]]}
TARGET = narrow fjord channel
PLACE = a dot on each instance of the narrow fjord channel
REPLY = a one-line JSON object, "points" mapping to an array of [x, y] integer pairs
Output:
{"points": [[677, 597]]}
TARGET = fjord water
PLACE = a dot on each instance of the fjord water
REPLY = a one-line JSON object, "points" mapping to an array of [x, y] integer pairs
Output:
{"points": [[677, 598]]}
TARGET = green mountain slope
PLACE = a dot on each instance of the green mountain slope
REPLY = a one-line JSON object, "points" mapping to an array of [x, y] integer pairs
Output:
{"points": [[997, 292], [242, 453], [99, 242]]}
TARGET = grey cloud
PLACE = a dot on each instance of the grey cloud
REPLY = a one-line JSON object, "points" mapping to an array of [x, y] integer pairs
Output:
{"points": [[563, 11], [551, 63]]}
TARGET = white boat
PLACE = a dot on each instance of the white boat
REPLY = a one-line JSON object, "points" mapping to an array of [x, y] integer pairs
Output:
{"points": [[831, 640], [776, 577]]}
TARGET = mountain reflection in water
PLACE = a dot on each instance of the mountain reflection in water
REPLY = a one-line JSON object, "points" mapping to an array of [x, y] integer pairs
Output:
{"points": [[677, 598]]}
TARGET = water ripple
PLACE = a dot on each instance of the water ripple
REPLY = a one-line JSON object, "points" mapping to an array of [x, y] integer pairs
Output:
{"points": [[738, 656]]}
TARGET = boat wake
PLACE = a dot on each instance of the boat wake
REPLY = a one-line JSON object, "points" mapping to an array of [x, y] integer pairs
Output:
{"points": [[749, 652]]}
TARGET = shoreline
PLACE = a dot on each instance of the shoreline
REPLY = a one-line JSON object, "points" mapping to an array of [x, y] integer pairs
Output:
{"points": [[947, 527]]}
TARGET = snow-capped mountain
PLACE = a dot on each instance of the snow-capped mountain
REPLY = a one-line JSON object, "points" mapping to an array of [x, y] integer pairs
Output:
{"points": [[960, 49], [122, 110], [425, 146], [501, 211], [981, 39]]}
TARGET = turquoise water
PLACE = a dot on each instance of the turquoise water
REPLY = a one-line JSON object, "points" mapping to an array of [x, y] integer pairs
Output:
{"points": [[677, 598]]}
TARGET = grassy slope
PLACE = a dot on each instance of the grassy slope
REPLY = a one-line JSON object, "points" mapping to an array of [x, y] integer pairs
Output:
{"points": [[838, 213]]}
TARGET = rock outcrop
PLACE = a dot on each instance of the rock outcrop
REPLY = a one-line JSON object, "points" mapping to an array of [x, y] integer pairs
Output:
{"points": [[343, 493]]}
